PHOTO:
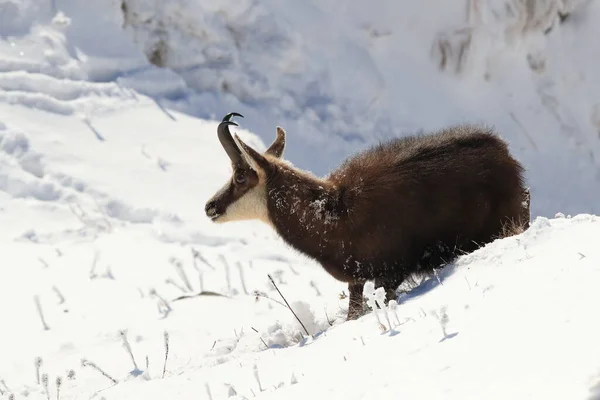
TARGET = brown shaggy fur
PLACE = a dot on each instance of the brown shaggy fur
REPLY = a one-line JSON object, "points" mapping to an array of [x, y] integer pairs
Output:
{"points": [[405, 206]]}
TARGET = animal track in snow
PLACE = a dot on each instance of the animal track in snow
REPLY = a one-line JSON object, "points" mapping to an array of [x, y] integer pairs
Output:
{"points": [[23, 174], [28, 178]]}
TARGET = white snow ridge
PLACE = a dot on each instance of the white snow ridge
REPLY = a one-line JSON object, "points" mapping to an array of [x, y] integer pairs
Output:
{"points": [[115, 285]]}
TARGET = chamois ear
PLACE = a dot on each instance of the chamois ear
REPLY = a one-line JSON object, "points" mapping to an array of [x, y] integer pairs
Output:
{"points": [[278, 145], [253, 157]]}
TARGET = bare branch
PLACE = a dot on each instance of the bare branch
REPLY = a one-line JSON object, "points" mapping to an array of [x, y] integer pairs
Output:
{"points": [[286, 302]]}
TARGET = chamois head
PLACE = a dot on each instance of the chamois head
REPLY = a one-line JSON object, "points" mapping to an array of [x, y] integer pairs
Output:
{"points": [[244, 196]]}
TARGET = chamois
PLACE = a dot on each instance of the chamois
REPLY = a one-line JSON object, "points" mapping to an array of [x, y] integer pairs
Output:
{"points": [[408, 205]]}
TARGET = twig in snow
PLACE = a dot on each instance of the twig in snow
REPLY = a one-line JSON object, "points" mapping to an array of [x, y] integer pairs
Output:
{"points": [[227, 274], [44, 263], [314, 286], [241, 271], [468, 283], [437, 277], [45, 384], [95, 131], [387, 317], [147, 371], [58, 385], [201, 280], [197, 255], [40, 312], [162, 164], [261, 339], [208, 391], [393, 305], [123, 334], [61, 298], [164, 302], [6, 388], [172, 282], [86, 221], [255, 370], [292, 269], [327, 316], [375, 310], [104, 214], [166, 336], [258, 294], [108, 273], [286, 302], [375, 297], [181, 272], [87, 363], [231, 390], [144, 153], [94, 264], [38, 365], [81, 216], [443, 319]]}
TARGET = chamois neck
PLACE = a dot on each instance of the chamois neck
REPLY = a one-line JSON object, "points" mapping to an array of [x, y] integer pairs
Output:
{"points": [[302, 206]]}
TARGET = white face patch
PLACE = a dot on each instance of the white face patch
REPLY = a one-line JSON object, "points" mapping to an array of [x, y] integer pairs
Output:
{"points": [[252, 205]]}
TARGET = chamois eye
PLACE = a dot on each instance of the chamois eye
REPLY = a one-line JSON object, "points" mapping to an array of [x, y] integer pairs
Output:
{"points": [[240, 178]]}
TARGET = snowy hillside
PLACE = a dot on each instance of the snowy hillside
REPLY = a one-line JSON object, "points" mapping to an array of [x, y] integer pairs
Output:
{"points": [[101, 233], [106, 162]]}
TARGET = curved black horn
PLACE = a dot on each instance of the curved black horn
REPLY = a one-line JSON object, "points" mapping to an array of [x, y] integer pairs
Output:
{"points": [[227, 141], [231, 114]]}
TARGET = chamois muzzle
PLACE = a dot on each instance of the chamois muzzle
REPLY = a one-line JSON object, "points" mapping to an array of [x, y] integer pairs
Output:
{"points": [[227, 141], [211, 209]]}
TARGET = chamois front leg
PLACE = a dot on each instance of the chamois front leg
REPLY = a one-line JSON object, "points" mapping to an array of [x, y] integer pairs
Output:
{"points": [[389, 284], [355, 303]]}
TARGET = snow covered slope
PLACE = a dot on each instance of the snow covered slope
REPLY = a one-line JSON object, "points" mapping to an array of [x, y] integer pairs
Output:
{"points": [[105, 168]]}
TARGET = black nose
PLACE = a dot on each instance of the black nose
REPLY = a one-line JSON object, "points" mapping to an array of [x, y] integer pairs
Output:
{"points": [[211, 209]]}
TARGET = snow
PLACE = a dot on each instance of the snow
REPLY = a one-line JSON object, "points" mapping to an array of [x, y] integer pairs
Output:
{"points": [[106, 162]]}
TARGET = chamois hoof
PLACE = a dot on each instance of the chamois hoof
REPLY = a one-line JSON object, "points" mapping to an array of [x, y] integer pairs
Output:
{"points": [[352, 315], [355, 311]]}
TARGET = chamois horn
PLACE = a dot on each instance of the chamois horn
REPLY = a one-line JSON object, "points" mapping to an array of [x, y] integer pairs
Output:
{"points": [[234, 153]]}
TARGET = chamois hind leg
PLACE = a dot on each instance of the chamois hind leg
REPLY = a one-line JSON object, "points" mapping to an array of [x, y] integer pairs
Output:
{"points": [[526, 209], [355, 303]]}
